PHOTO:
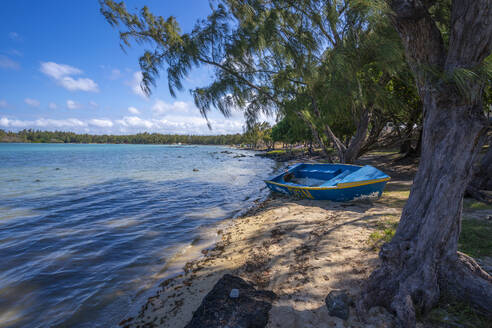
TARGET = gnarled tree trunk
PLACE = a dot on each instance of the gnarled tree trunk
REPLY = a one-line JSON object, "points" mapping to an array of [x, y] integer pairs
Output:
{"points": [[348, 154], [422, 261], [359, 139]]}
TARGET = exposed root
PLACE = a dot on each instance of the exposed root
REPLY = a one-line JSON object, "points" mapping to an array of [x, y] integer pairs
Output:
{"points": [[407, 290], [465, 280]]}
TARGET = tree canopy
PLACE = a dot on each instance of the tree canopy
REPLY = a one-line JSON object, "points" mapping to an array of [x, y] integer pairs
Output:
{"points": [[336, 65]]}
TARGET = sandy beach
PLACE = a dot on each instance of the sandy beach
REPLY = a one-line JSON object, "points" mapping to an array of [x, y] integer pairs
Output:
{"points": [[299, 249]]}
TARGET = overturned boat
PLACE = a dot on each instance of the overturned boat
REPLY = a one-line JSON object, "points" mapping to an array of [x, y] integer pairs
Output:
{"points": [[336, 182]]}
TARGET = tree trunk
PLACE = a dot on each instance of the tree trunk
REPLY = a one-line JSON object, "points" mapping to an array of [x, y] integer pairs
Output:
{"points": [[422, 261], [348, 154], [482, 179], [360, 137]]}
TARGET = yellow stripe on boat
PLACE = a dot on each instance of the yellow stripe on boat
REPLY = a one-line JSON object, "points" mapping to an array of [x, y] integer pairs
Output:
{"points": [[338, 186]]}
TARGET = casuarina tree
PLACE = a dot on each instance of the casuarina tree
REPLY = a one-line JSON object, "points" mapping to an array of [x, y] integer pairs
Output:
{"points": [[422, 262]]}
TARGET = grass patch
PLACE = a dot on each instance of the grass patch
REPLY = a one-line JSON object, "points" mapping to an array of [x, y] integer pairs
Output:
{"points": [[276, 152], [385, 231], [382, 152], [395, 199], [473, 204], [475, 238], [450, 313]]}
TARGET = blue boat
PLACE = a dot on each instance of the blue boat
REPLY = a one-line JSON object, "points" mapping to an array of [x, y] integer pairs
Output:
{"points": [[336, 182]]}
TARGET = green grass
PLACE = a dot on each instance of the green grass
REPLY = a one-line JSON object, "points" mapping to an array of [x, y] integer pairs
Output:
{"points": [[450, 313], [385, 231], [276, 152], [396, 199], [382, 152], [475, 238], [472, 204]]}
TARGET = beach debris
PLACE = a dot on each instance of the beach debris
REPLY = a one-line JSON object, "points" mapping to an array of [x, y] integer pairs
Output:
{"points": [[234, 293], [196, 170], [338, 304], [220, 309]]}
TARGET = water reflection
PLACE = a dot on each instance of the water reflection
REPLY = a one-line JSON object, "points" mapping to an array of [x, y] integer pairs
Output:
{"points": [[79, 246]]}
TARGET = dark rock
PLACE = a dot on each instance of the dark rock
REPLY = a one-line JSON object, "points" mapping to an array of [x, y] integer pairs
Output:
{"points": [[196, 170], [338, 304], [239, 156], [249, 310]]}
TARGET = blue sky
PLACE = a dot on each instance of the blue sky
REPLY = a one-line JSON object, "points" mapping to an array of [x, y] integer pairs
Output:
{"points": [[62, 68]]}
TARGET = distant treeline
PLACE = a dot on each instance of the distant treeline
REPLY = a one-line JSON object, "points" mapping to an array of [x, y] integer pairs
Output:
{"points": [[35, 136]]}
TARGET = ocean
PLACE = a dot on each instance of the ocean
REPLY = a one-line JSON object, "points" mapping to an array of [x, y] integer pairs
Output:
{"points": [[86, 231]]}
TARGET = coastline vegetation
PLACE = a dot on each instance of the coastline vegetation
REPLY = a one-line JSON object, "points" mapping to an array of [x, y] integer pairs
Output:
{"points": [[35, 136]]}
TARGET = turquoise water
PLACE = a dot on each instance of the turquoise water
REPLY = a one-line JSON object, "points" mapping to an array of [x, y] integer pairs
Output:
{"points": [[86, 229]]}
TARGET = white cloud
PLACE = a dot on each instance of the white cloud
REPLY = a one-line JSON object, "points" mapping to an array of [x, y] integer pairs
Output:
{"points": [[135, 84], [32, 102], [62, 74], [133, 110], [72, 104], [58, 71], [162, 107], [82, 84], [102, 123], [52, 105], [169, 124], [70, 122], [7, 63], [3, 103], [43, 123], [93, 104], [135, 122]]}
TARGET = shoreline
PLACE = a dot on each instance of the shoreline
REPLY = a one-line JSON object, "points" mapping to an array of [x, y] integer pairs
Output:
{"points": [[301, 250], [205, 241], [279, 245]]}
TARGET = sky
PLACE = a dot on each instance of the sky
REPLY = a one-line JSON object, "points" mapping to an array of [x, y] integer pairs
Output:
{"points": [[62, 68]]}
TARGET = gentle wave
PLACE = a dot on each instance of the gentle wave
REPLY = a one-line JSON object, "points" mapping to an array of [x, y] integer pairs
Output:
{"points": [[85, 229]]}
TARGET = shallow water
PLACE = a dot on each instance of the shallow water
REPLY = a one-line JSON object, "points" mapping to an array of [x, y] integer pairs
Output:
{"points": [[86, 229]]}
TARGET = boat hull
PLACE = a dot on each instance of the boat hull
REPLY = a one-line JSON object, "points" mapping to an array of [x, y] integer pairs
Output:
{"points": [[366, 191]]}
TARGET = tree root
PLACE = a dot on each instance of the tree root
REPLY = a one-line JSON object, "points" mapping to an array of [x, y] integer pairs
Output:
{"points": [[409, 290], [465, 280], [478, 194]]}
